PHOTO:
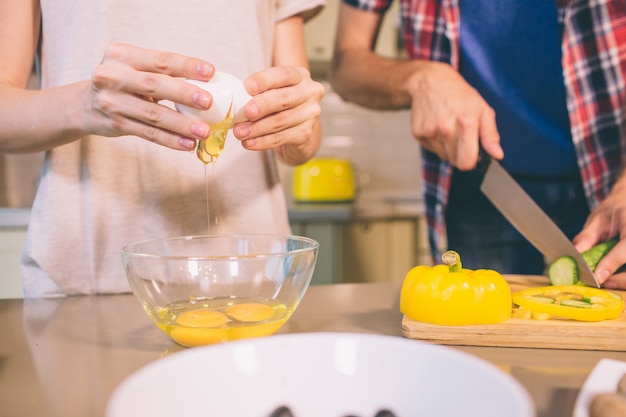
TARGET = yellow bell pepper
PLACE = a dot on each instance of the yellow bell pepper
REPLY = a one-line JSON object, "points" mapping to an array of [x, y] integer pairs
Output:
{"points": [[572, 302], [448, 294]]}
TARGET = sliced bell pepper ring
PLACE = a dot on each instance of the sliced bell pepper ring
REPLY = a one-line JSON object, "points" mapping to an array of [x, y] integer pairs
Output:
{"points": [[450, 295], [572, 302]]}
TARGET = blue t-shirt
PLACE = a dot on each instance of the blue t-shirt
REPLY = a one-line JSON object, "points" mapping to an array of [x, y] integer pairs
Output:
{"points": [[521, 41]]}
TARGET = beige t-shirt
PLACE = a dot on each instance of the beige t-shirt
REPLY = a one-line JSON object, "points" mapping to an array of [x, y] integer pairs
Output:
{"points": [[98, 194]]}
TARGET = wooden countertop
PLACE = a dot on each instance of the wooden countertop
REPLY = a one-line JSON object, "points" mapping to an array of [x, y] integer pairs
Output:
{"points": [[64, 357]]}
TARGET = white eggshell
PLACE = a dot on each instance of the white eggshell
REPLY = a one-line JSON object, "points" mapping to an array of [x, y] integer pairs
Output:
{"points": [[224, 88]]}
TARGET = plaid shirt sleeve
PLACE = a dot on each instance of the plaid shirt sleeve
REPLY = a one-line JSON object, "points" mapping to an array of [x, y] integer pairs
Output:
{"points": [[376, 6], [594, 68]]}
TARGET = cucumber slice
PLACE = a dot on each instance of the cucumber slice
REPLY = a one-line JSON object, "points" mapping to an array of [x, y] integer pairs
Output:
{"points": [[576, 303], [542, 299], [563, 271]]}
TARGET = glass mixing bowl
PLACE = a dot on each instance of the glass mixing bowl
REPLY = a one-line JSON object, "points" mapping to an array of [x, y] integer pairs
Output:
{"points": [[203, 290]]}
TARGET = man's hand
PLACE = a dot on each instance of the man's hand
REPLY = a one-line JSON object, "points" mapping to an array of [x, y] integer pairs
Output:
{"points": [[606, 221], [450, 118]]}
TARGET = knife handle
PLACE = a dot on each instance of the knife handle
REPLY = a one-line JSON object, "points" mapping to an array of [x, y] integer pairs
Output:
{"points": [[483, 161]]}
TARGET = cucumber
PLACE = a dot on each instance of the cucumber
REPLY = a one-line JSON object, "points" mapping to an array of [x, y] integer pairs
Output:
{"points": [[594, 255], [564, 270]]}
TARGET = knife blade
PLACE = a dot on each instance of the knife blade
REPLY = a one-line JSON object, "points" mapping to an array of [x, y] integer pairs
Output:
{"points": [[528, 218]]}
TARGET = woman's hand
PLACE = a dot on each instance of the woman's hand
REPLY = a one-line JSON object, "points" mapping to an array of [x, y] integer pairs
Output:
{"points": [[284, 113], [126, 87]]}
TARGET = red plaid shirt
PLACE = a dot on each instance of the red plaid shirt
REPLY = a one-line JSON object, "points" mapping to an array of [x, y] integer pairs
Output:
{"points": [[594, 69]]}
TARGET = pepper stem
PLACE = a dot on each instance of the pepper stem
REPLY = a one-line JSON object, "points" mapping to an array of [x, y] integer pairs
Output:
{"points": [[453, 260]]}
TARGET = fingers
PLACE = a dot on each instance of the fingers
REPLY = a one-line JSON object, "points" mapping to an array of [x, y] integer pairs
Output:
{"points": [[129, 115], [126, 89], [284, 110], [457, 139], [438, 135], [151, 86], [274, 78], [159, 62], [451, 119], [466, 155], [489, 135], [584, 241], [611, 262], [605, 222], [130, 74], [292, 133], [279, 89], [589, 236], [616, 282]]}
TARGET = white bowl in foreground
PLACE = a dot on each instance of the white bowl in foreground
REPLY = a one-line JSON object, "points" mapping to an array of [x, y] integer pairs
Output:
{"points": [[321, 375]]}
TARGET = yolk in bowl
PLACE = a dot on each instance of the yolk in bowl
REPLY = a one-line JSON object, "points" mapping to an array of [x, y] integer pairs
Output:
{"points": [[250, 312], [219, 320], [201, 318], [188, 336]]}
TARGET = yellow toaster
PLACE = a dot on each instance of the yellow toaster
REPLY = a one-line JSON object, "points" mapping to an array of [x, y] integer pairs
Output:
{"points": [[324, 180]]}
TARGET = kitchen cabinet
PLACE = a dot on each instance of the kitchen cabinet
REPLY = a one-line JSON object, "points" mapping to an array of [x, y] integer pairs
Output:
{"points": [[11, 242], [19, 178], [380, 250], [328, 234], [320, 35], [320, 32], [366, 250]]}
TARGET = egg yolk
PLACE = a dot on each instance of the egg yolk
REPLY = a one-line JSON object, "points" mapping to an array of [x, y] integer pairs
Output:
{"points": [[188, 336], [201, 318], [250, 312], [257, 330]]}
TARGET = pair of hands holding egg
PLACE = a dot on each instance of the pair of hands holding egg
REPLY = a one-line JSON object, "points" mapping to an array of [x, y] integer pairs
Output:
{"points": [[277, 108]]}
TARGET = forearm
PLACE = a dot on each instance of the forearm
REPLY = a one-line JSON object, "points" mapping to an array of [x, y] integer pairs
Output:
{"points": [[35, 120], [373, 81]]}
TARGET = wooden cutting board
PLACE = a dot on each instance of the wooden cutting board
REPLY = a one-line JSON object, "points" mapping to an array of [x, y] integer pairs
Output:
{"points": [[552, 334]]}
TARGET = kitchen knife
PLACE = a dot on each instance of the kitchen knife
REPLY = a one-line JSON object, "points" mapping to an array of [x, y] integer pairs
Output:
{"points": [[528, 218]]}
